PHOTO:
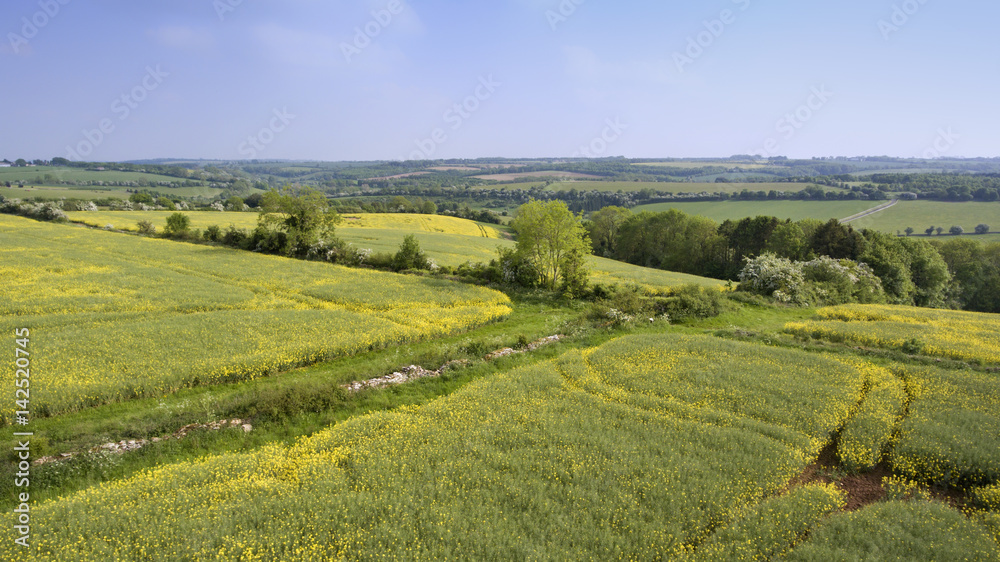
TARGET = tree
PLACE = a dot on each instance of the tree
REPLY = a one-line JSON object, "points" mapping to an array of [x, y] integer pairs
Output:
{"points": [[929, 272], [235, 203], [983, 229], [838, 241], [603, 229], [20, 163], [929, 231], [939, 230], [141, 198], [410, 256], [166, 204], [428, 207], [788, 241], [547, 235], [909, 231], [890, 262], [302, 217], [177, 223], [956, 230]]}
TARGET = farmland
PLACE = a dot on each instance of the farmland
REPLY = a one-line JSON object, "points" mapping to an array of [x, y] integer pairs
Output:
{"points": [[795, 210], [966, 336], [666, 187], [86, 289], [921, 215], [657, 441], [918, 215], [566, 458], [448, 241], [76, 175]]}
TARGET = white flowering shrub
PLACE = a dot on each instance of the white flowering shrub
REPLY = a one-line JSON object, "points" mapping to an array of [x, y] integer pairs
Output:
{"points": [[822, 281], [775, 277]]}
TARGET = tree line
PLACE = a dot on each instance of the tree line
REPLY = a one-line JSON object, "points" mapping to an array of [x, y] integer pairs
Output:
{"points": [[959, 273]]}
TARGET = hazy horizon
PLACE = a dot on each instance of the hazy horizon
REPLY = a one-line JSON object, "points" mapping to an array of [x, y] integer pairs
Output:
{"points": [[393, 80]]}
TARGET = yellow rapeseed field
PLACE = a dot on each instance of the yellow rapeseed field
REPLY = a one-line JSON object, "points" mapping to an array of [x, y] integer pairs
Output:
{"points": [[638, 449], [115, 317], [968, 336], [128, 220]]}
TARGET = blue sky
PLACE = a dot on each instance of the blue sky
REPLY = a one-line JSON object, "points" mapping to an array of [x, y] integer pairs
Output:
{"points": [[327, 80]]}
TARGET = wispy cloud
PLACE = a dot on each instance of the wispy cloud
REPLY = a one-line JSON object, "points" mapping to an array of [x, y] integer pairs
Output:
{"points": [[584, 65], [183, 37]]}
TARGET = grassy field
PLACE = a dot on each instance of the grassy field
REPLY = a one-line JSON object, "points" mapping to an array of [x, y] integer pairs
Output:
{"points": [[795, 210], [99, 192], [64, 192], [666, 187], [545, 174], [447, 240], [28, 175], [120, 317], [921, 215], [702, 164]]}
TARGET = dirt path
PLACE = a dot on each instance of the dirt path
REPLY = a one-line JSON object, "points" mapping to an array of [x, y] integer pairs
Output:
{"points": [[871, 211]]}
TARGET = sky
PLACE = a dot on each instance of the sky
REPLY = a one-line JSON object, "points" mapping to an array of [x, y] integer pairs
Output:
{"points": [[114, 80]]}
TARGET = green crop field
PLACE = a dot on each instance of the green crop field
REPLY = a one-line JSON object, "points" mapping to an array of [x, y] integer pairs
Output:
{"points": [[64, 192], [665, 187], [795, 210], [29, 174], [921, 215], [702, 164]]}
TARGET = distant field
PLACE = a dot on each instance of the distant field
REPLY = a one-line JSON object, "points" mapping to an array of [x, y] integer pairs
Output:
{"points": [[665, 187], [453, 168], [128, 220], [399, 176], [900, 171], [923, 214], [75, 174], [546, 174], [447, 240], [63, 192], [795, 210], [692, 164]]}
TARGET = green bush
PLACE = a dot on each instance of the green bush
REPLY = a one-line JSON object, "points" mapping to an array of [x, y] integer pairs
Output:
{"points": [[177, 223], [693, 302], [410, 255], [146, 228], [213, 233]]}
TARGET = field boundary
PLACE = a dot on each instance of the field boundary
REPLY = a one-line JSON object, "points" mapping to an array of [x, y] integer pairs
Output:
{"points": [[869, 212]]}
